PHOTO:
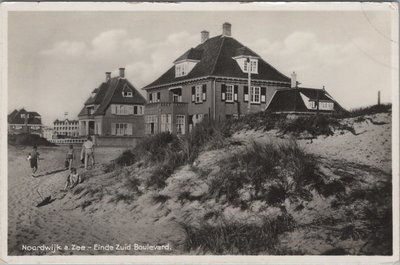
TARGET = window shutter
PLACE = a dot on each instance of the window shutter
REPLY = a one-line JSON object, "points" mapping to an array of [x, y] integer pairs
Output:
{"points": [[223, 91], [129, 131], [235, 92], [204, 92], [158, 96], [246, 94], [113, 109], [113, 129], [150, 97], [193, 93], [263, 94]]}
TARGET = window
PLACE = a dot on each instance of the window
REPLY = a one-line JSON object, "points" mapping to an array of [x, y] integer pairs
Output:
{"points": [[166, 123], [126, 109], [253, 66], [127, 94], [229, 93], [198, 94], [181, 69], [121, 129], [255, 94], [180, 124], [150, 124], [176, 98]]}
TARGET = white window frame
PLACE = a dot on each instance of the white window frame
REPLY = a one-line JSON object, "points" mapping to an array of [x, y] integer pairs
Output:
{"points": [[229, 93], [254, 94], [253, 66], [180, 70], [198, 95], [180, 124]]}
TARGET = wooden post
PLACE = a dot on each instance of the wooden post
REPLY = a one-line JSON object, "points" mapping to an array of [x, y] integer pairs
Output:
{"points": [[249, 83], [379, 98]]}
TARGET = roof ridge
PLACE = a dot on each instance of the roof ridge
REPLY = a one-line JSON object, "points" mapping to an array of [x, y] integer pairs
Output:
{"points": [[108, 96], [219, 54]]}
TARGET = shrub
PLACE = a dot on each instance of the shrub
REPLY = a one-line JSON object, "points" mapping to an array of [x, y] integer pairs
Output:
{"points": [[369, 110], [265, 169], [127, 158], [159, 176], [28, 140], [234, 237]]}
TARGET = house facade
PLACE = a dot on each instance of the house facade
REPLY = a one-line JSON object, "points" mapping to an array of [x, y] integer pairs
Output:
{"points": [[115, 109], [211, 81], [66, 128], [23, 121]]}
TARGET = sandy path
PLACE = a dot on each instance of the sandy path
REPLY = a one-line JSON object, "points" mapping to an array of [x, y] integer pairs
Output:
{"points": [[62, 221]]}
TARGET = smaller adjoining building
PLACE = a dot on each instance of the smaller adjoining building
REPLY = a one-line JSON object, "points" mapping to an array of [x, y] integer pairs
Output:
{"points": [[23, 121], [66, 128], [114, 113], [301, 100]]}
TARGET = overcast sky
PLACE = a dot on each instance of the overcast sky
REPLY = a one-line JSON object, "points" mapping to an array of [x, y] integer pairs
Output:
{"points": [[56, 59]]}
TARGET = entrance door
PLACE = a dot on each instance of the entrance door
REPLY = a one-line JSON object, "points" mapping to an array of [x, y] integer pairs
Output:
{"points": [[91, 127]]}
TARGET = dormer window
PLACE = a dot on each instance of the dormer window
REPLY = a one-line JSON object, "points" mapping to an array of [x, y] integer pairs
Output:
{"points": [[182, 69], [252, 64], [127, 92]]}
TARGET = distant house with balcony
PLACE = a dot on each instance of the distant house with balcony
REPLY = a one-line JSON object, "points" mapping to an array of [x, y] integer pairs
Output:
{"points": [[114, 110], [66, 128], [211, 81], [23, 121]]}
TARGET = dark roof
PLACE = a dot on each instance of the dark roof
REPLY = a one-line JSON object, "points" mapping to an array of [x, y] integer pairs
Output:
{"points": [[287, 100], [70, 121], [15, 117], [191, 54], [111, 92], [314, 93], [290, 100], [217, 60], [244, 51]]}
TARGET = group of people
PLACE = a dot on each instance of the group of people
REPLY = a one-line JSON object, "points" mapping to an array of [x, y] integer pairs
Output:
{"points": [[87, 154]]}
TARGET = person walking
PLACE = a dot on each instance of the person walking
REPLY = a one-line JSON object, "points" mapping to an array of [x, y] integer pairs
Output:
{"points": [[88, 152]]}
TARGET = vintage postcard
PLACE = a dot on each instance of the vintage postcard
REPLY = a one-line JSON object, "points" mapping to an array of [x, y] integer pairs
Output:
{"points": [[199, 133]]}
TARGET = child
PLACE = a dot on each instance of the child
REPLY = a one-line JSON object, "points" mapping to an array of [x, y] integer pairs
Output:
{"points": [[33, 157], [70, 156], [73, 179]]}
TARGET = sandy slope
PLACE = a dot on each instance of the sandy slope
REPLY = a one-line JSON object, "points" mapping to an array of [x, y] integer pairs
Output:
{"points": [[87, 215]]}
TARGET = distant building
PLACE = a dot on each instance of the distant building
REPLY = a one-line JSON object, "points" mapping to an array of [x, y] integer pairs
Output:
{"points": [[69, 128], [48, 133], [114, 109], [23, 121], [303, 101]]}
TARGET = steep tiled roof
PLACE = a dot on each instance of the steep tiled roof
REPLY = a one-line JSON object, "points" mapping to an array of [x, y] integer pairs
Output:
{"points": [[217, 60], [314, 93], [111, 92], [15, 117], [245, 51], [191, 54], [287, 100]]}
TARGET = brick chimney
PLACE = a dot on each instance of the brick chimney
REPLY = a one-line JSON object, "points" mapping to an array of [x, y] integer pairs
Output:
{"points": [[122, 72], [226, 29], [108, 76], [293, 81], [204, 36]]}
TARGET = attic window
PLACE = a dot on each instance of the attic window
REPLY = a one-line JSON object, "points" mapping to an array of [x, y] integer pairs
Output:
{"points": [[253, 65], [127, 94], [180, 70]]}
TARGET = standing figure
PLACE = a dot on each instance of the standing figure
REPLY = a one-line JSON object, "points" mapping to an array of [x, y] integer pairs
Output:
{"points": [[88, 152], [70, 156], [33, 158]]}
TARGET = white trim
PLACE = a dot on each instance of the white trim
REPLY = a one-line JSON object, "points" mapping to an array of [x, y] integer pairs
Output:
{"points": [[175, 87], [215, 77]]}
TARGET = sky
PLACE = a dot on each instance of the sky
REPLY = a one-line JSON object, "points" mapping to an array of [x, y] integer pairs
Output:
{"points": [[55, 59]]}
